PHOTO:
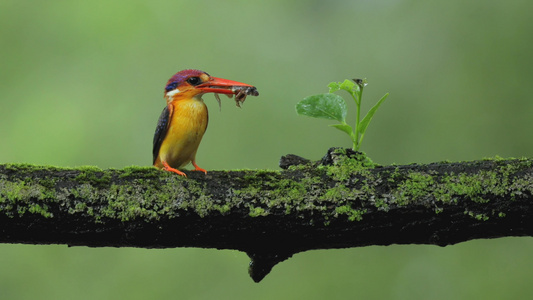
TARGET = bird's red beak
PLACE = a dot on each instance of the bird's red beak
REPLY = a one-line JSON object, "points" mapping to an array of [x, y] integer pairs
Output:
{"points": [[221, 86]]}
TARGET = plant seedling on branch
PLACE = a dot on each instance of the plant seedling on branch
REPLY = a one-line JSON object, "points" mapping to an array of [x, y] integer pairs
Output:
{"points": [[333, 107]]}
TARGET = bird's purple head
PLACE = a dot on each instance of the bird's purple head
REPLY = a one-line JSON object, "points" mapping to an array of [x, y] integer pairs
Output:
{"points": [[181, 77]]}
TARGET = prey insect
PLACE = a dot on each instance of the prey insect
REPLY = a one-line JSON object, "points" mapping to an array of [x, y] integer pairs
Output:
{"points": [[240, 95], [242, 92]]}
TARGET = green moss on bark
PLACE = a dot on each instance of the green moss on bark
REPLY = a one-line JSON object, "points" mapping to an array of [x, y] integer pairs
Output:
{"points": [[349, 185]]}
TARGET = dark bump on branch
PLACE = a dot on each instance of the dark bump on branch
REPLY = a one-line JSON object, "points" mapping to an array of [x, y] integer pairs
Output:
{"points": [[292, 160], [262, 263]]}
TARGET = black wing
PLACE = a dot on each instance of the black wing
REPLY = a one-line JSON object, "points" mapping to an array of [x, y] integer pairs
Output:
{"points": [[161, 131]]}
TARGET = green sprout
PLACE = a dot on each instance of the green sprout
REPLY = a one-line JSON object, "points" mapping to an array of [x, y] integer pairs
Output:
{"points": [[333, 107]]}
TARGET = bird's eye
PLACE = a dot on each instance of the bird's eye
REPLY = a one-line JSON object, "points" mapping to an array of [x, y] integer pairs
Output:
{"points": [[194, 80]]}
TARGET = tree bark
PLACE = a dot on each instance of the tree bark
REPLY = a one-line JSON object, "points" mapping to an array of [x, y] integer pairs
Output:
{"points": [[342, 201]]}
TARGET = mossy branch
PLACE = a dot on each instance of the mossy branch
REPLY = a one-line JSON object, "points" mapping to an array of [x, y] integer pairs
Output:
{"points": [[342, 201]]}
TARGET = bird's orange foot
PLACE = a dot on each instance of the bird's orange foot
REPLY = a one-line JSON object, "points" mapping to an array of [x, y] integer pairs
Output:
{"points": [[197, 168], [166, 167]]}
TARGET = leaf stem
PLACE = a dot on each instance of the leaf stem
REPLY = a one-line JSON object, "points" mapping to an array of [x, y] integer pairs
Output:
{"points": [[356, 141], [358, 95], [360, 139]]}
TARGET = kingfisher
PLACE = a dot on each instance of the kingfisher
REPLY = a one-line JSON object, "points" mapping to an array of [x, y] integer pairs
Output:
{"points": [[184, 119]]}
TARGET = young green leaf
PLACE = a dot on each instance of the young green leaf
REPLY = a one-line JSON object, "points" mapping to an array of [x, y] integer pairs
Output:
{"points": [[324, 106], [366, 120], [348, 86], [344, 127], [333, 87]]}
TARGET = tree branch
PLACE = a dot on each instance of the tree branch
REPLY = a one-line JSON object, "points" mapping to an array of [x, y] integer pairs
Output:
{"points": [[342, 201]]}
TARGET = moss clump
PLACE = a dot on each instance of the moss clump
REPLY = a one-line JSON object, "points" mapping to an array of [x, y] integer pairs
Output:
{"points": [[41, 209], [24, 170], [341, 193], [19, 197], [479, 217], [257, 212], [140, 172], [268, 190], [469, 185], [94, 176], [345, 165], [414, 187], [353, 214]]}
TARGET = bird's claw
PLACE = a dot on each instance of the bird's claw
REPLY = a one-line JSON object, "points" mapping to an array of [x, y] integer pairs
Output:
{"points": [[168, 168], [197, 168]]}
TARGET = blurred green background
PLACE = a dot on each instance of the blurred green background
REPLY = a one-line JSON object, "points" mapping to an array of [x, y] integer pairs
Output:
{"points": [[82, 84]]}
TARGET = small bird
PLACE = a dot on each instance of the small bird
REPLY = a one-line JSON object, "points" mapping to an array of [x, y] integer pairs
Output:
{"points": [[183, 122]]}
